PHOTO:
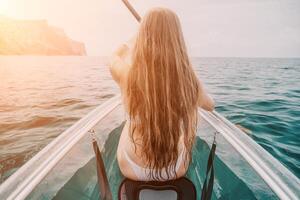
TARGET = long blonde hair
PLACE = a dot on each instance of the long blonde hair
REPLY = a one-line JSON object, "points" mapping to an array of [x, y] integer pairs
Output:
{"points": [[163, 91]]}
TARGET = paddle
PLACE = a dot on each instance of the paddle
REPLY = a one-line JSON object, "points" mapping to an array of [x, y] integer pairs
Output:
{"points": [[132, 10]]}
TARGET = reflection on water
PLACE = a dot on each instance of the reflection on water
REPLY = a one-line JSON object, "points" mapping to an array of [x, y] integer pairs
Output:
{"points": [[42, 96]]}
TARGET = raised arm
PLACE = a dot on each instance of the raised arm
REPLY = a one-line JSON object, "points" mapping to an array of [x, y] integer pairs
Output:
{"points": [[205, 100], [120, 61], [117, 63]]}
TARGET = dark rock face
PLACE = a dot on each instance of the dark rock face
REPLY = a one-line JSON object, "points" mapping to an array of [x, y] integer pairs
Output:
{"points": [[35, 37]]}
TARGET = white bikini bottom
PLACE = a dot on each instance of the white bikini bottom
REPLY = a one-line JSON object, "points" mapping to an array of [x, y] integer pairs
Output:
{"points": [[143, 174]]}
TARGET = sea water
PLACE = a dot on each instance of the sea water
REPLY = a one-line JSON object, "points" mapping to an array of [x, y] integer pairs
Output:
{"points": [[40, 97]]}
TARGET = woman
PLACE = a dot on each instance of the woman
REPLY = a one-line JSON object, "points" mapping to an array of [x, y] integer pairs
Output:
{"points": [[161, 94]]}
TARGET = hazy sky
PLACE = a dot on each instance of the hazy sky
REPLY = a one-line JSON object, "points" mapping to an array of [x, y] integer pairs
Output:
{"points": [[249, 28]]}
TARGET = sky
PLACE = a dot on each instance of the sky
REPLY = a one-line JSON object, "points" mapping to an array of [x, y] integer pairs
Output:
{"points": [[223, 28]]}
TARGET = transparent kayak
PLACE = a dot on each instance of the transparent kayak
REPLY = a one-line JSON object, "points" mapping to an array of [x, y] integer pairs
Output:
{"points": [[66, 168]]}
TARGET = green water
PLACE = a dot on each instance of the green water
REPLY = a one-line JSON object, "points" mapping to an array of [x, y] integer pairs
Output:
{"points": [[262, 95], [82, 185]]}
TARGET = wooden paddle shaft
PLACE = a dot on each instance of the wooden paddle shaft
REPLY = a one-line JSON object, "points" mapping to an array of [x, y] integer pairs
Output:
{"points": [[132, 10]]}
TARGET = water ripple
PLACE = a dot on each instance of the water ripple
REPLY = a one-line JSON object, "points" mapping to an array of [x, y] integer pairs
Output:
{"points": [[41, 101]]}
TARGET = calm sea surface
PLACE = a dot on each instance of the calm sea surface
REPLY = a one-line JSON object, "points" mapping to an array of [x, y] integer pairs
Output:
{"points": [[40, 97]]}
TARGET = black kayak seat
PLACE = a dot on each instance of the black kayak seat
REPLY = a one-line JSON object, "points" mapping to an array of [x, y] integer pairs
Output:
{"points": [[181, 189]]}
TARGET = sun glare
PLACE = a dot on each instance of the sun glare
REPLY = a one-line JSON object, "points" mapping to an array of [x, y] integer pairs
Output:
{"points": [[4, 5]]}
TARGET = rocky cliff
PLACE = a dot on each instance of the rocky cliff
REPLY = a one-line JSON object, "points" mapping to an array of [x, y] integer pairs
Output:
{"points": [[35, 37]]}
